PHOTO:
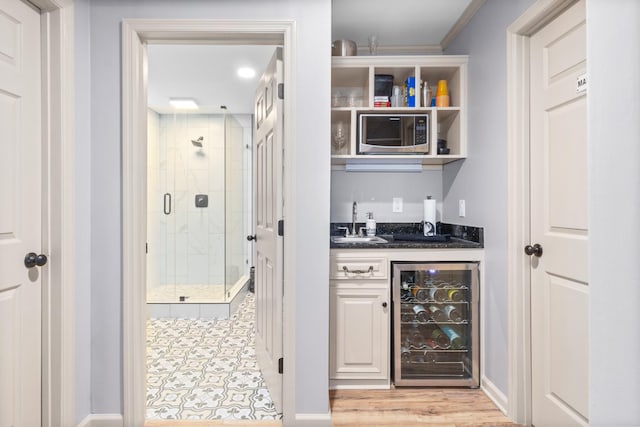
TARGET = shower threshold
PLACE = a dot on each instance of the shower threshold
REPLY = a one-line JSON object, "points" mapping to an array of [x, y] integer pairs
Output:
{"points": [[196, 301]]}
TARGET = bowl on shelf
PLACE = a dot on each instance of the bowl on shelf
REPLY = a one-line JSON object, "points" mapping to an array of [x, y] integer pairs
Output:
{"points": [[443, 150]]}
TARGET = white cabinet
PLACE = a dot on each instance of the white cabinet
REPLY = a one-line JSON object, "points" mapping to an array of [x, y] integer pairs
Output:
{"points": [[359, 322], [352, 92], [360, 329]]}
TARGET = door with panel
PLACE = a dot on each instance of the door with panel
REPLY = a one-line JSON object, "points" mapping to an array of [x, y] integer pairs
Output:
{"points": [[559, 222], [20, 215], [268, 247]]}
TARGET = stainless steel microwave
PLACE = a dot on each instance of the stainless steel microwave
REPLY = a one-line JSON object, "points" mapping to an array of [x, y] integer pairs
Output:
{"points": [[393, 133]]}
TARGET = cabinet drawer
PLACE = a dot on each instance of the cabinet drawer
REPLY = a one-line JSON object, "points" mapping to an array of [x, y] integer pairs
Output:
{"points": [[348, 268]]}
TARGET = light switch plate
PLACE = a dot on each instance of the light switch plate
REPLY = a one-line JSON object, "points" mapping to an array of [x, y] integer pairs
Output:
{"points": [[397, 204], [462, 210]]}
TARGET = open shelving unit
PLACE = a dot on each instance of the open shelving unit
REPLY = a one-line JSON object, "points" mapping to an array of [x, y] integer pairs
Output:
{"points": [[352, 92]]}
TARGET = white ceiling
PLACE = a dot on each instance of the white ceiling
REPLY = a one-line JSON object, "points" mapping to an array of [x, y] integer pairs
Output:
{"points": [[400, 25], [208, 73]]}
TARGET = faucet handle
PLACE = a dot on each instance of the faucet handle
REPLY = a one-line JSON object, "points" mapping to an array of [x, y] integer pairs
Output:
{"points": [[346, 231]]}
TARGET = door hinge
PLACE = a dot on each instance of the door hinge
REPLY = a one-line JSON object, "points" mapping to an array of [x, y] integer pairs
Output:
{"points": [[280, 365], [281, 227], [280, 90]]}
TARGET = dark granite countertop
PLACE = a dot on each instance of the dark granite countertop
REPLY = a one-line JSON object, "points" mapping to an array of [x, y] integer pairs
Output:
{"points": [[457, 236]]}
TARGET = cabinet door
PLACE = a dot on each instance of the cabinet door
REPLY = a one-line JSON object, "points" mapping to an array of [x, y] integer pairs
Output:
{"points": [[359, 333]]}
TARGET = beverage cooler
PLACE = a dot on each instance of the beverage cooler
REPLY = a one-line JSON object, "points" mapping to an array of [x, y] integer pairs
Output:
{"points": [[436, 324]]}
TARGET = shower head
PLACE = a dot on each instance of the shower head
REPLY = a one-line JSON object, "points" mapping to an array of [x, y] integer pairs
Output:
{"points": [[198, 142]]}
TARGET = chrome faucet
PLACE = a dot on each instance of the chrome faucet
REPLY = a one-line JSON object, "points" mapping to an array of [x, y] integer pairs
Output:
{"points": [[354, 216]]}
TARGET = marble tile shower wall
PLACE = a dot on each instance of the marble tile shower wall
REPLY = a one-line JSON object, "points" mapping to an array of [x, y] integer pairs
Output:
{"points": [[190, 241]]}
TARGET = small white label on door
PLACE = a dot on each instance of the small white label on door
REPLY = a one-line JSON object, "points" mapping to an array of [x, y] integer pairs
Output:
{"points": [[581, 83]]}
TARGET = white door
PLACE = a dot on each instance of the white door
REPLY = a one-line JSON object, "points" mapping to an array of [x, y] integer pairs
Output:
{"points": [[20, 215], [268, 248], [559, 214]]}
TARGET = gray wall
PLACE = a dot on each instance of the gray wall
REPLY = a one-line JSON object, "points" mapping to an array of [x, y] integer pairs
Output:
{"points": [[374, 192], [481, 180], [613, 66], [83, 211], [311, 169]]}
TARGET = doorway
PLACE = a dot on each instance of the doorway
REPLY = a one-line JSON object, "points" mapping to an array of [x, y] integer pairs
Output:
{"points": [[136, 34], [201, 353]]}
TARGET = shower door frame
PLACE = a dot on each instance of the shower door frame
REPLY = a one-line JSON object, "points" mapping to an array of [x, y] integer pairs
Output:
{"points": [[136, 33], [172, 288]]}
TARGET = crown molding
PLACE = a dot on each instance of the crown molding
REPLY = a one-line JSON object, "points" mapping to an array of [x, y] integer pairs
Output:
{"points": [[464, 19]]}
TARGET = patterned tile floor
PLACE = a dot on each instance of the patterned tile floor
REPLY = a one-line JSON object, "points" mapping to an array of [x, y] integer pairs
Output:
{"points": [[206, 369]]}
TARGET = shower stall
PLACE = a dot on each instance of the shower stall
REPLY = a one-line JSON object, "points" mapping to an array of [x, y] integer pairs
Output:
{"points": [[198, 213]]}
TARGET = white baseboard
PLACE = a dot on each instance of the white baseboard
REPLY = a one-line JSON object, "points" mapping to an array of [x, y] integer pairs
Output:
{"points": [[494, 393], [102, 420], [313, 420]]}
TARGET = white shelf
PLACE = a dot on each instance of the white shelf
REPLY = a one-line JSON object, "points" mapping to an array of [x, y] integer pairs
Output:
{"points": [[353, 79]]}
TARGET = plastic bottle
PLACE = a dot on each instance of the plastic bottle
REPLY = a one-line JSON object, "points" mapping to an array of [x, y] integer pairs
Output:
{"points": [[370, 224]]}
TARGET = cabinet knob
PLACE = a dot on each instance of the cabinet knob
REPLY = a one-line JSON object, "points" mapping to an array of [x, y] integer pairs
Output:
{"points": [[384, 304]]}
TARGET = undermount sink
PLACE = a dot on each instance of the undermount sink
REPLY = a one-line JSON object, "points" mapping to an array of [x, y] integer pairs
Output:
{"points": [[357, 239]]}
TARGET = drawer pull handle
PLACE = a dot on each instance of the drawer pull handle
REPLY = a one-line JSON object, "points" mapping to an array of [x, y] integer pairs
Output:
{"points": [[346, 270]]}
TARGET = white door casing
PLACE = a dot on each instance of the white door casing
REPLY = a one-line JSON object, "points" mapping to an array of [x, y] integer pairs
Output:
{"points": [[20, 214], [559, 214], [268, 246], [135, 33]]}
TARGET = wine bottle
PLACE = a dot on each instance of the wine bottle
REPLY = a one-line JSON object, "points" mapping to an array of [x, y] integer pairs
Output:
{"points": [[437, 314], [415, 339], [422, 294], [440, 339], [421, 314], [455, 295], [405, 354], [457, 342], [452, 313], [438, 294]]}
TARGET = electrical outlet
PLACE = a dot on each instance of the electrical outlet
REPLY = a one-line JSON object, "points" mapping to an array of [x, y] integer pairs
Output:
{"points": [[461, 209], [397, 204]]}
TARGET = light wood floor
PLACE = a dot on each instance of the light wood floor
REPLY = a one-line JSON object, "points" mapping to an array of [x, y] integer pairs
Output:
{"points": [[415, 407], [395, 407]]}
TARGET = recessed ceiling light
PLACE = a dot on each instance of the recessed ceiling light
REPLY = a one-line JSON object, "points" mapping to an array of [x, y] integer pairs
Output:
{"points": [[246, 72], [183, 103]]}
